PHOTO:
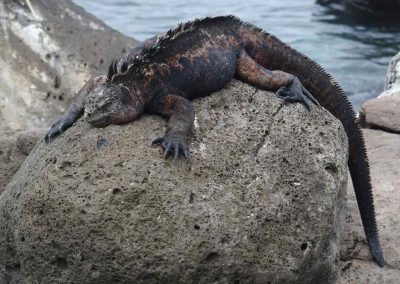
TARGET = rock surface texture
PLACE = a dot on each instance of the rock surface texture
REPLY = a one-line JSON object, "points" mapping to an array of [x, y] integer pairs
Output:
{"points": [[383, 112], [261, 199], [14, 148], [356, 262], [47, 50]]}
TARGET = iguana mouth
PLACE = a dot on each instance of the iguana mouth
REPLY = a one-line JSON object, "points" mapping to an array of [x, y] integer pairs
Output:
{"points": [[98, 121]]}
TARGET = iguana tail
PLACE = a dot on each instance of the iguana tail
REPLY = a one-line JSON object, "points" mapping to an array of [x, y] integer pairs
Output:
{"points": [[273, 54]]}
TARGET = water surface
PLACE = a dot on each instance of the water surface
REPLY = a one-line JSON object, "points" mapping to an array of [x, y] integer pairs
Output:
{"points": [[356, 52]]}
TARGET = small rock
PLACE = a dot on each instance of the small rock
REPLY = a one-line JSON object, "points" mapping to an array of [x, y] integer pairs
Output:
{"points": [[382, 113]]}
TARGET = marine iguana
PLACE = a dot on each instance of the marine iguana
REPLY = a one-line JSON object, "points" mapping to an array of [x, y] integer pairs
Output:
{"points": [[163, 73]]}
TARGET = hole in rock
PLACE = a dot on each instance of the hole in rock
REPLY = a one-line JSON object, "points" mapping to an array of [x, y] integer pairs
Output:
{"points": [[332, 168], [61, 262], [191, 198], [116, 190], [212, 256]]}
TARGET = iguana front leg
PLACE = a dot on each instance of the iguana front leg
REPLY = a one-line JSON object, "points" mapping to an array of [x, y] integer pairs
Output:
{"points": [[180, 114], [286, 86], [75, 110]]}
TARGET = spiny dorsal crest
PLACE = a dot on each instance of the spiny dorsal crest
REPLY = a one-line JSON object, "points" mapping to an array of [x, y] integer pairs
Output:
{"points": [[128, 65], [112, 70]]}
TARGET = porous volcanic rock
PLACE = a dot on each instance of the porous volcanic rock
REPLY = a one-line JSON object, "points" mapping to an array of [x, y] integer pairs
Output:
{"points": [[261, 199], [14, 148]]}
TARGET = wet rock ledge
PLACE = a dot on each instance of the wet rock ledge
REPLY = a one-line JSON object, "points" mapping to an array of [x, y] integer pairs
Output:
{"points": [[261, 199]]}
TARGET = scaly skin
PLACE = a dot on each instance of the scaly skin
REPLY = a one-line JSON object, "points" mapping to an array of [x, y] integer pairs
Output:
{"points": [[162, 75]]}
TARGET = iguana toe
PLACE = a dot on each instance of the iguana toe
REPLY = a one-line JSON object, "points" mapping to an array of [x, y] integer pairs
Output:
{"points": [[296, 99], [309, 95], [282, 92], [296, 93], [167, 148], [172, 145], [57, 128]]}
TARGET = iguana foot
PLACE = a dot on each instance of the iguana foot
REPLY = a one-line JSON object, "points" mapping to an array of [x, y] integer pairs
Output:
{"points": [[59, 127], [172, 145], [296, 92]]}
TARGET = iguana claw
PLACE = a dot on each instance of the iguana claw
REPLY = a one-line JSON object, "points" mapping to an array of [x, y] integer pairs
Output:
{"points": [[59, 127], [172, 145], [296, 92]]}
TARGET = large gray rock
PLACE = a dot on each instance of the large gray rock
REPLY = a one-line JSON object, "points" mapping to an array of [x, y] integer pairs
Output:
{"points": [[261, 199], [47, 50]]}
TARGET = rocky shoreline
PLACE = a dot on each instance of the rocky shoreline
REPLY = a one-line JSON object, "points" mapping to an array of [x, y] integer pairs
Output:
{"points": [[51, 67]]}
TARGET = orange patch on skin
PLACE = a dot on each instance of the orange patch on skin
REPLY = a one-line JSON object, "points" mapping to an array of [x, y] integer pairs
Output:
{"points": [[174, 62], [250, 71]]}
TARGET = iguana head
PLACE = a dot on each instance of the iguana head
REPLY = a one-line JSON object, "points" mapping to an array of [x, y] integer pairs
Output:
{"points": [[110, 103]]}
